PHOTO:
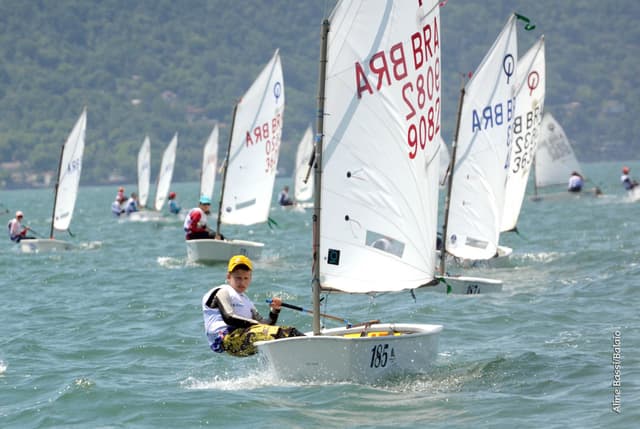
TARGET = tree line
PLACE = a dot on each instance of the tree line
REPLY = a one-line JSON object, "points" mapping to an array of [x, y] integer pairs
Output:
{"points": [[157, 67]]}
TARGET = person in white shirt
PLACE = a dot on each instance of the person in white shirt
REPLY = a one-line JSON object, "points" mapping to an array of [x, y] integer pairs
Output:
{"points": [[576, 181], [626, 180], [16, 231], [232, 322]]}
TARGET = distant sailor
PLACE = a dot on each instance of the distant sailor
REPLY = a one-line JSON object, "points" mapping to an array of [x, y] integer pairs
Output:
{"points": [[120, 197], [283, 197], [132, 204], [116, 208], [576, 181], [16, 231], [174, 207], [626, 180], [195, 223]]}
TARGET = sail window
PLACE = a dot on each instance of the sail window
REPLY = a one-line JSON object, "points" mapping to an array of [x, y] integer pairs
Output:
{"points": [[384, 243]]}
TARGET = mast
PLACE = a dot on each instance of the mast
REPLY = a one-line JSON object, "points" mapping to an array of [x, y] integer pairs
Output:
{"points": [[55, 194], [204, 152], [315, 284], [224, 175], [443, 250]]}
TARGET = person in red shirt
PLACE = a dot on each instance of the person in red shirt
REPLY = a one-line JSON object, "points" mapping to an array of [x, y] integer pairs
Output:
{"points": [[195, 223]]}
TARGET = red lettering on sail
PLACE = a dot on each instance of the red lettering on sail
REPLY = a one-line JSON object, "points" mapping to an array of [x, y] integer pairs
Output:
{"points": [[272, 142], [396, 54], [419, 86], [378, 65], [362, 84], [423, 46]]}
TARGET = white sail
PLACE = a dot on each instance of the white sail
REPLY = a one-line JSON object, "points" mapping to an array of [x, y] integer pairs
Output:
{"points": [[209, 164], [304, 191], [445, 159], [376, 191], [69, 174], [531, 78], [144, 171], [482, 151], [166, 173], [255, 146], [379, 192], [555, 159]]}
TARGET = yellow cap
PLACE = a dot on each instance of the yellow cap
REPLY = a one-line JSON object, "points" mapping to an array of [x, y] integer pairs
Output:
{"points": [[239, 260]]}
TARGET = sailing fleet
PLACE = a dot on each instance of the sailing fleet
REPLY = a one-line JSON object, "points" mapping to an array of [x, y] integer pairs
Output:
{"points": [[372, 175]]}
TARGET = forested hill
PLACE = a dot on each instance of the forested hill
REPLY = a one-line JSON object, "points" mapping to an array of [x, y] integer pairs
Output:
{"points": [[158, 67]]}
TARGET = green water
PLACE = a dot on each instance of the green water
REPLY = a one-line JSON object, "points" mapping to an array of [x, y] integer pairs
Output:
{"points": [[111, 336]]}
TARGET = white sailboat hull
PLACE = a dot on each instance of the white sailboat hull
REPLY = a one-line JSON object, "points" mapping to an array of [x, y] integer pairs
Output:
{"points": [[41, 245], [143, 216], [565, 195], [465, 285], [504, 251], [210, 250], [332, 356], [502, 254]]}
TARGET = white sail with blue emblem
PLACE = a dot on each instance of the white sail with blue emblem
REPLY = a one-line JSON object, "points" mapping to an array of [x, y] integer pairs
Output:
{"points": [[69, 174], [526, 129], [66, 191], [144, 171], [252, 159], [166, 173], [209, 164], [481, 153], [375, 191]]}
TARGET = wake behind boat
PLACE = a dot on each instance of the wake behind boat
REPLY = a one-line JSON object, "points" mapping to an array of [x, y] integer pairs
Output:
{"points": [[249, 168], [365, 133], [66, 191]]}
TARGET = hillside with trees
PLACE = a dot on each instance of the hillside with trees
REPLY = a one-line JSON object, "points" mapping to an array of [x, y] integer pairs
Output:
{"points": [[157, 67]]}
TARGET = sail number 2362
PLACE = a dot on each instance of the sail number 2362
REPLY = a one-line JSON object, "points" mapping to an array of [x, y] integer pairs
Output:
{"points": [[379, 356]]}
